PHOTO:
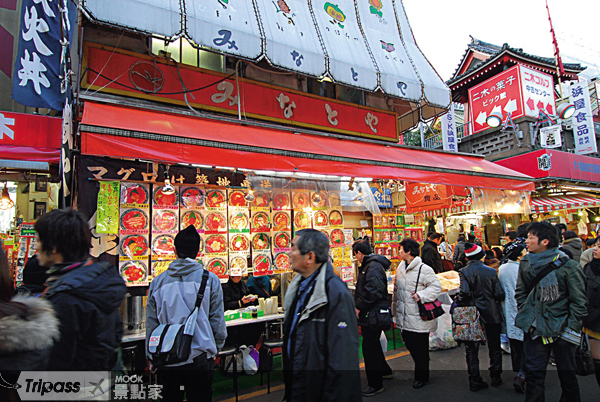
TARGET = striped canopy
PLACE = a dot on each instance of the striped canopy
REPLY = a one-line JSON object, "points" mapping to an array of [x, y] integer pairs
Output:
{"points": [[547, 204]]}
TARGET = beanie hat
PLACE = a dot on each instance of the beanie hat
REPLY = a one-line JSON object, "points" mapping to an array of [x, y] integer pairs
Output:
{"points": [[513, 250], [34, 273], [187, 242], [473, 252]]}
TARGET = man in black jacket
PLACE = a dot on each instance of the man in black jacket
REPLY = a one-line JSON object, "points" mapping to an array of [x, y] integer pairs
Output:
{"points": [[430, 254], [370, 296], [480, 286], [320, 342], [86, 295]]}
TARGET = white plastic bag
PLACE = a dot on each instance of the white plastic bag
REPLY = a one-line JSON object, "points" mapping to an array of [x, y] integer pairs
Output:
{"points": [[383, 341], [239, 357], [442, 337], [250, 364]]}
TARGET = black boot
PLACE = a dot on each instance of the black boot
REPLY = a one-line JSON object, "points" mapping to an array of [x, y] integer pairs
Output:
{"points": [[476, 384]]}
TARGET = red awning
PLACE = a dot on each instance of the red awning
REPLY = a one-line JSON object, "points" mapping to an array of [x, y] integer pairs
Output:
{"points": [[30, 137], [122, 132], [547, 204]]}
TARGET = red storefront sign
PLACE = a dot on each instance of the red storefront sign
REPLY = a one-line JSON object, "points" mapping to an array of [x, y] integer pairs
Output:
{"points": [[519, 90], [30, 137], [426, 196], [141, 76]]}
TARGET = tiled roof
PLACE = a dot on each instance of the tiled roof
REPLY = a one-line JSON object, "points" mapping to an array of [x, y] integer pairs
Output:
{"points": [[494, 50]]}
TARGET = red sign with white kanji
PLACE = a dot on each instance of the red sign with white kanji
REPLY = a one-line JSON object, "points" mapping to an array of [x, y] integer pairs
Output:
{"points": [[500, 93], [519, 90]]}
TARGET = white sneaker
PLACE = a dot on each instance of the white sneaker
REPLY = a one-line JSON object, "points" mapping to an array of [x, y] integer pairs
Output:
{"points": [[505, 347]]}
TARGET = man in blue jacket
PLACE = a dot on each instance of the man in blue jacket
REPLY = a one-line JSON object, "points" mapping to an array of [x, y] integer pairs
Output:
{"points": [[86, 295], [320, 348], [171, 299]]}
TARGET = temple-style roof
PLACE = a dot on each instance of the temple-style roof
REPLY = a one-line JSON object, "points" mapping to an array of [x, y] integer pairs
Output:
{"points": [[483, 60]]}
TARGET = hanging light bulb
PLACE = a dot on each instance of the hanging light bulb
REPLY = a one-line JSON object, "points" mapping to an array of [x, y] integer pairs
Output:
{"points": [[493, 221], [5, 201], [580, 213], [250, 196], [167, 189]]}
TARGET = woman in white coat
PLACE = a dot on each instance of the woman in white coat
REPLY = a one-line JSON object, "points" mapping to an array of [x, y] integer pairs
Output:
{"points": [[415, 331]]}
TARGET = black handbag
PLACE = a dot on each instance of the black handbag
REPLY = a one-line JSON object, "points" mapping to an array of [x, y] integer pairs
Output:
{"points": [[379, 318], [171, 344], [584, 363], [428, 311]]}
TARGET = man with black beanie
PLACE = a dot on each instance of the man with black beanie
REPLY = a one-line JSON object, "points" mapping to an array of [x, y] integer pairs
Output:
{"points": [[171, 299]]}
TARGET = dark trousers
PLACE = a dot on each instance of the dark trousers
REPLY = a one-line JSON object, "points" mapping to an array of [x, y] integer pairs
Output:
{"points": [[418, 345], [537, 356], [197, 383], [516, 355], [375, 364], [492, 333]]}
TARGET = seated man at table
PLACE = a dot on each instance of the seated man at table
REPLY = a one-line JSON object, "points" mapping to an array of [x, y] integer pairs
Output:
{"points": [[235, 292], [260, 286]]}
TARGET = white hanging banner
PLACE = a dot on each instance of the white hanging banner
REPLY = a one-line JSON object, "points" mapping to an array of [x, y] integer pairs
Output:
{"points": [[449, 138], [550, 136], [583, 126]]}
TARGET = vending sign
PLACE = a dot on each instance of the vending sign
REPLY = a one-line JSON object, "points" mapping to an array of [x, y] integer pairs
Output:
{"points": [[519, 90]]}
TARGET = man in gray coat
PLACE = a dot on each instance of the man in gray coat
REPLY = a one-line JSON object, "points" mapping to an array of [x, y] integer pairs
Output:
{"points": [[320, 341], [171, 299]]}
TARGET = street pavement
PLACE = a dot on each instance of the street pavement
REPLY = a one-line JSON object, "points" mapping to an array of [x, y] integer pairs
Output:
{"points": [[448, 382]]}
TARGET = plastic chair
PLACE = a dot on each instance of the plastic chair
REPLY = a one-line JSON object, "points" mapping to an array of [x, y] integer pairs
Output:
{"points": [[269, 345], [231, 351]]}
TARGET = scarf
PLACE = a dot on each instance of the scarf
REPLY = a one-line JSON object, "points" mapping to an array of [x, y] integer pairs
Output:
{"points": [[549, 284], [58, 270], [595, 266]]}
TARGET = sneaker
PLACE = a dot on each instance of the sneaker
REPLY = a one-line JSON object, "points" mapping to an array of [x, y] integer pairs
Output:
{"points": [[419, 384], [388, 376], [505, 348], [496, 382], [478, 386], [519, 383], [370, 391]]}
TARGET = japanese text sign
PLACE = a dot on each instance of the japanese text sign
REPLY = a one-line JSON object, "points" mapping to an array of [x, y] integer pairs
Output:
{"points": [[383, 199], [583, 125], [40, 75], [30, 137], [519, 90], [550, 137], [425, 196], [449, 137]]}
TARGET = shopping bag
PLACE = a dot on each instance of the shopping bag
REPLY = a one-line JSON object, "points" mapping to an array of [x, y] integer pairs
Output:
{"points": [[250, 360], [584, 363], [383, 341], [442, 337], [239, 361]]}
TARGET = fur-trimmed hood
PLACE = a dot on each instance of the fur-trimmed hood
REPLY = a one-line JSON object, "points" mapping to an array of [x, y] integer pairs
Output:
{"points": [[38, 331]]}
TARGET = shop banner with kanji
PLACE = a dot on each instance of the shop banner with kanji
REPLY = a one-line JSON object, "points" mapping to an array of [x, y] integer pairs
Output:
{"points": [[449, 137], [583, 125], [39, 74]]}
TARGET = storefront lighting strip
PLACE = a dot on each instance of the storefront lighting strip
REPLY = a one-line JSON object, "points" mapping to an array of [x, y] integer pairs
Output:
{"points": [[279, 152]]}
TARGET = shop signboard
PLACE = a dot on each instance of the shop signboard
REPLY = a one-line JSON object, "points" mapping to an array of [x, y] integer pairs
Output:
{"points": [[519, 90], [583, 124], [449, 137], [550, 136], [27, 229], [425, 196], [154, 79], [30, 137], [382, 198]]}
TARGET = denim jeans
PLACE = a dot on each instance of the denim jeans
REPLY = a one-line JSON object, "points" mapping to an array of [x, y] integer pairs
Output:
{"points": [[537, 356]]}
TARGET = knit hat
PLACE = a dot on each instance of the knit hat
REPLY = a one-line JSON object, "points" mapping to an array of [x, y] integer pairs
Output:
{"points": [[473, 252], [513, 250], [187, 242], [34, 273]]}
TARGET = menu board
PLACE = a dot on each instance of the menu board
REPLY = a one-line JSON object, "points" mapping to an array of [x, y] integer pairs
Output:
{"points": [[239, 232], [108, 216], [216, 239], [134, 230], [281, 231]]}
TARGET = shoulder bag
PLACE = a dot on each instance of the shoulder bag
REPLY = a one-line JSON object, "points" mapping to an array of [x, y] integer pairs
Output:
{"points": [[171, 344], [466, 322], [584, 363], [428, 311]]}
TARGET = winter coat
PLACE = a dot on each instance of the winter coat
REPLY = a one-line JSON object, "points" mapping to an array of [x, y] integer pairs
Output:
{"points": [[233, 294], [322, 361], [592, 276], [429, 288], [371, 286], [172, 297], [26, 342], [480, 283], [431, 256], [508, 274], [260, 286], [566, 309], [458, 250], [575, 246], [87, 300]]}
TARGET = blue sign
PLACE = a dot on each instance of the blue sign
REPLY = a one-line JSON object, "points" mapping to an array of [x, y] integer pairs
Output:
{"points": [[41, 69], [383, 200]]}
